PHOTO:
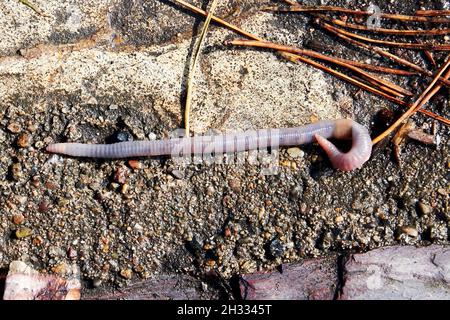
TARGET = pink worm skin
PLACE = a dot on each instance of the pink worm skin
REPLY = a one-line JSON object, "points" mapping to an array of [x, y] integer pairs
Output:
{"points": [[319, 131]]}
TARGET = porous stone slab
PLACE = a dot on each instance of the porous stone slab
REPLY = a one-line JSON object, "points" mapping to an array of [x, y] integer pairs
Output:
{"points": [[398, 273], [314, 279]]}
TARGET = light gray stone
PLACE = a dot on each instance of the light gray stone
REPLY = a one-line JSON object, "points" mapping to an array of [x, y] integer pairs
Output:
{"points": [[314, 279], [398, 273], [136, 54]]}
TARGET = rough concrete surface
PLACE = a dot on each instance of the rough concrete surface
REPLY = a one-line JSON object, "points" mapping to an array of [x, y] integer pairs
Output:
{"points": [[113, 70]]}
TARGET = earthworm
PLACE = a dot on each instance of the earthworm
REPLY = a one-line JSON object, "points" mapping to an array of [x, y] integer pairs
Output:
{"points": [[250, 140]]}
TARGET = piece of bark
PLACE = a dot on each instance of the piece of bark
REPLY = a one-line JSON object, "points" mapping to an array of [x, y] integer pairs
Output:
{"points": [[409, 130], [162, 287], [398, 273], [421, 136], [314, 279]]}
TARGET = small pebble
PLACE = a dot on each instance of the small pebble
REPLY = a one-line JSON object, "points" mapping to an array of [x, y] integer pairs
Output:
{"points": [[138, 228], [210, 263], [207, 246], [121, 174], [51, 185], [139, 269], [410, 231], [55, 251], [339, 219], [295, 153], [44, 206], [235, 185], [276, 248], [72, 253], [126, 273], [210, 190], [37, 241], [18, 219], [97, 283], [14, 127], [24, 140], [32, 127], [60, 269], [296, 193], [425, 209], [2, 136], [285, 163], [134, 164], [16, 171], [23, 233], [442, 191], [177, 174], [124, 188], [122, 137], [73, 132], [303, 208], [35, 181], [357, 205]]}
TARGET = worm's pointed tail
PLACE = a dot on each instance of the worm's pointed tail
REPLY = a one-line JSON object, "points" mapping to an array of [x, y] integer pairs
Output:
{"points": [[56, 148]]}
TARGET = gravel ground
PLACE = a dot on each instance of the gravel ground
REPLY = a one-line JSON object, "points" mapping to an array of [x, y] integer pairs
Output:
{"points": [[117, 74]]}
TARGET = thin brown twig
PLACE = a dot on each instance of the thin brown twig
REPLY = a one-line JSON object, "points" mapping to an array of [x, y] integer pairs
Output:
{"points": [[380, 52], [408, 32], [429, 32], [360, 84], [428, 54], [190, 80], [381, 83], [434, 116], [293, 57], [399, 17], [34, 8], [405, 45], [379, 69], [251, 36], [431, 90], [432, 13], [199, 11]]}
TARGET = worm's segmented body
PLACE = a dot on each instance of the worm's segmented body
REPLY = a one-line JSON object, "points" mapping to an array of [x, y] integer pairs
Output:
{"points": [[249, 140]]}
